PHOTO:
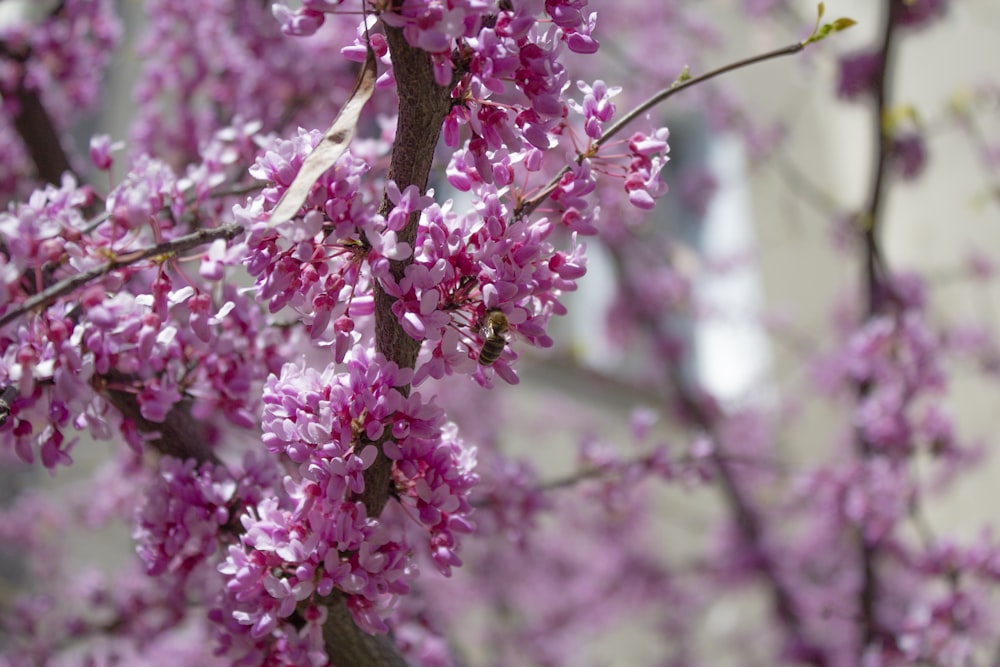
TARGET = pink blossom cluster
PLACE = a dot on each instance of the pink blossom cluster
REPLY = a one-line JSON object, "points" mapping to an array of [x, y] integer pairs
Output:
{"points": [[305, 20], [596, 108], [511, 99], [620, 584], [859, 74], [642, 183], [444, 294], [513, 90], [896, 358], [909, 154], [921, 13], [61, 54], [329, 425], [321, 265], [212, 62], [178, 524], [183, 525], [512, 126], [938, 612], [892, 366], [73, 604], [464, 267], [58, 56], [156, 334], [140, 608], [316, 265], [438, 28]]}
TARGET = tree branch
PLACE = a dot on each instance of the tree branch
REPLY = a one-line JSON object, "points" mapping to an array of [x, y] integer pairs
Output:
{"points": [[180, 435], [38, 132], [871, 218], [423, 106], [33, 122], [66, 286], [698, 409], [876, 293], [346, 644]]}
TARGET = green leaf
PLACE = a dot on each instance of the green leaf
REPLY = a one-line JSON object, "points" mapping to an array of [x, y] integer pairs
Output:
{"points": [[824, 31], [819, 17], [682, 77], [843, 24]]}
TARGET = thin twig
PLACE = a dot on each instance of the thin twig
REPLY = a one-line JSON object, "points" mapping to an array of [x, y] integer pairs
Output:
{"points": [[597, 472], [529, 205], [32, 120], [68, 285], [875, 292], [698, 411]]}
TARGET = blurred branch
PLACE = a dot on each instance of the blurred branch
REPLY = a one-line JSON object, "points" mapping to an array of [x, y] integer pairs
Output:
{"points": [[796, 180], [871, 218], [32, 120], [749, 524], [875, 292], [646, 461], [699, 410], [34, 125]]}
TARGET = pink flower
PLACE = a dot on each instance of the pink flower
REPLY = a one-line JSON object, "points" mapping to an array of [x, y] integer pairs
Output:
{"points": [[908, 154], [858, 74], [300, 23], [101, 148]]}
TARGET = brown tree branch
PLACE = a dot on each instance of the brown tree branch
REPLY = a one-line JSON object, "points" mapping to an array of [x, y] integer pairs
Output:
{"points": [[180, 435], [33, 123], [38, 132], [877, 290], [348, 645], [697, 409], [423, 106], [67, 286], [872, 217]]}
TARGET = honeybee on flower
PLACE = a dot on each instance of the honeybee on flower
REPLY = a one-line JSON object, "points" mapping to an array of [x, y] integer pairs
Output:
{"points": [[495, 330]]}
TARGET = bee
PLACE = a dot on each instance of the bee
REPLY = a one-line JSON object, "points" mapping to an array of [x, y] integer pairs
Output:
{"points": [[495, 331], [7, 397]]}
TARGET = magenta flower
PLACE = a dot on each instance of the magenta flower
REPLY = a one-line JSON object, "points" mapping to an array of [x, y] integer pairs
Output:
{"points": [[178, 523], [909, 155], [101, 148], [921, 13], [859, 74]]}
